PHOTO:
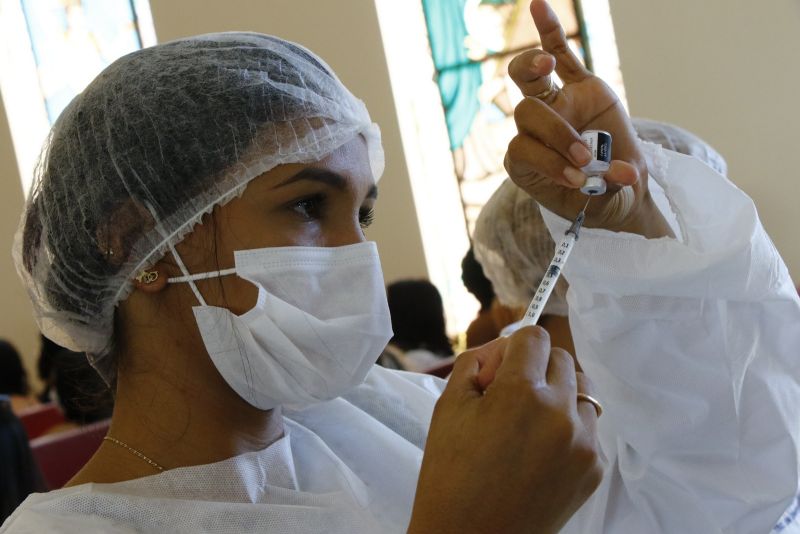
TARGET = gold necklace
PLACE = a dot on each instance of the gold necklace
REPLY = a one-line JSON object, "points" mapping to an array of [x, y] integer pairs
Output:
{"points": [[134, 451]]}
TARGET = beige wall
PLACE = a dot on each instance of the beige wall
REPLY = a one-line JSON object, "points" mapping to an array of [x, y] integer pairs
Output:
{"points": [[16, 317], [345, 34], [727, 70]]}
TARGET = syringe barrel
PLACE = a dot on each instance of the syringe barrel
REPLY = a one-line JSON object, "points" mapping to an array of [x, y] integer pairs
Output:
{"points": [[548, 283]]}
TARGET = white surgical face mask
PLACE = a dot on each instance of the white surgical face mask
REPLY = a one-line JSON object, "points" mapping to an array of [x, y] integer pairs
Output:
{"points": [[320, 323]]}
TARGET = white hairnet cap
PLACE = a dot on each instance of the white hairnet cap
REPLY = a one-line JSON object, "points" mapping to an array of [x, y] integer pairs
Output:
{"points": [[514, 247], [513, 244], [679, 140], [157, 140]]}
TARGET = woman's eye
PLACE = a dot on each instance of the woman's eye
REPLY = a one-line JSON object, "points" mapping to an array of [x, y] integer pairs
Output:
{"points": [[310, 208], [366, 216]]}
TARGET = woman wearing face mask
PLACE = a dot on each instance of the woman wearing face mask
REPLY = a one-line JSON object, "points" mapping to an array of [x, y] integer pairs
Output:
{"points": [[197, 229], [242, 346]]}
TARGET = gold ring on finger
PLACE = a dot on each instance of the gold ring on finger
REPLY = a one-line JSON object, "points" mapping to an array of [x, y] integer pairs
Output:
{"points": [[591, 400], [545, 95]]}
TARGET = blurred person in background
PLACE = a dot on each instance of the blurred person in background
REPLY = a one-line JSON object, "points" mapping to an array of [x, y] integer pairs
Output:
{"points": [[492, 316], [46, 369], [420, 339], [14, 379], [19, 474]]}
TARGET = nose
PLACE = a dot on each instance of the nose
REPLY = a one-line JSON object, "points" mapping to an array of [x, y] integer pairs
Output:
{"points": [[348, 232]]}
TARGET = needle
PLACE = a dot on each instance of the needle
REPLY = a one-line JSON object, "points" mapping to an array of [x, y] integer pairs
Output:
{"points": [[586, 205]]}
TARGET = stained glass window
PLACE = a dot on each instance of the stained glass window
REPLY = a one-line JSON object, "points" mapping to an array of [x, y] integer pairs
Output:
{"points": [[73, 40], [50, 50], [447, 63], [472, 42]]}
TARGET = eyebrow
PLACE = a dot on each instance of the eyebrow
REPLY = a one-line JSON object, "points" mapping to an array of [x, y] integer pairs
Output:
{"points": [[333, 179]]}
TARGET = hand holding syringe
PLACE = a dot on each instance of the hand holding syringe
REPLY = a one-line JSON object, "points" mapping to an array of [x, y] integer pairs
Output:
{"points": [[600, 146]]}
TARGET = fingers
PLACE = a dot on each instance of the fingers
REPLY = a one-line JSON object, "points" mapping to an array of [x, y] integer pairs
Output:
{"points": [[622, 173], [560, 157], [526, 354], [475, 369], [531, 71], [490, 357], [561, 371], [554, 40], [528, 159], [462, 380], [562, 375], [537, 119], [586, 410]]}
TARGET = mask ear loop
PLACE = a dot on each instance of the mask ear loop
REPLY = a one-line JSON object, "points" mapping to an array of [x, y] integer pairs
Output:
{"points": [[201, 276], [190, 278], [186, 276]]}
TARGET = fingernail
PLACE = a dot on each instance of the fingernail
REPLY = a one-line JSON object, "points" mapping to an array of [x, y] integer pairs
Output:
{"points": [[538, 61], [580, 153], [574, 176]]}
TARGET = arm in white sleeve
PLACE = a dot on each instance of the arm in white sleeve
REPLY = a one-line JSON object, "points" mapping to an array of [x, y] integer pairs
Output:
{"points": [[693, 345]]}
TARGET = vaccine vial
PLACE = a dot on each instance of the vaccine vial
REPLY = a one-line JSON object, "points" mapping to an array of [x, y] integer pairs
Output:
{"points": [[599, 143]]}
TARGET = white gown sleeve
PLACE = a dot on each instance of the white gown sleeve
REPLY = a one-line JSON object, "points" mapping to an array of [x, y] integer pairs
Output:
{"points": [[693, 345]]}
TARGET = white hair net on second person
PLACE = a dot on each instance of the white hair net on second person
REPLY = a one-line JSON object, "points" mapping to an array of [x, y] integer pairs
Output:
{"points": [[679, 140], [513, 245], [157, 140]]}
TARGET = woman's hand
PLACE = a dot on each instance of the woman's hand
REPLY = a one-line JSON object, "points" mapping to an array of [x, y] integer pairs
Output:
{"points": [[545, 156], [509, 449]]}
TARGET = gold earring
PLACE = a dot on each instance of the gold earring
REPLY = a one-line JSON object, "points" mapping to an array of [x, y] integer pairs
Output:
{"points": [[147, 277]]}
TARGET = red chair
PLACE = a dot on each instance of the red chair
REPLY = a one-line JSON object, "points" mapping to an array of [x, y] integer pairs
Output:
{"points": [[60, 456], [40, 419]]}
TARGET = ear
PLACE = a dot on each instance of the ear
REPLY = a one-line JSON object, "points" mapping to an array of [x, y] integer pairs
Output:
{"points": [[123, 226], [152, 280]]}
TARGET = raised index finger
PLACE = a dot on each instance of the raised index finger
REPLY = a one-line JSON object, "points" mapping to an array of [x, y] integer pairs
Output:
{"points": [[554, 40]]}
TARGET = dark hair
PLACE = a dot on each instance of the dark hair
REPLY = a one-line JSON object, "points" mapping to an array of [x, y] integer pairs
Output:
{"points": [[19, 474], [83, 396], [13, 378], [45, 367], [475, 281], [418, 317]]}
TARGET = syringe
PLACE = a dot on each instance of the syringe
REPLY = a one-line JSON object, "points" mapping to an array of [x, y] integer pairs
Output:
{"points": [[599, 144], [553, 272]]}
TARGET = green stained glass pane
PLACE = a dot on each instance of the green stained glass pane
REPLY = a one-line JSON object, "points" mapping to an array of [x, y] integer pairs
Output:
{"points": [[472, 43]]}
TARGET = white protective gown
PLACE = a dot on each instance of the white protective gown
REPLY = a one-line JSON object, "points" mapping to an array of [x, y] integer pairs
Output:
{"points": [[693, 345], [349, 465]]}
